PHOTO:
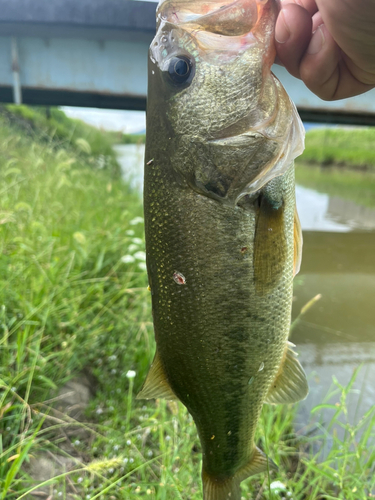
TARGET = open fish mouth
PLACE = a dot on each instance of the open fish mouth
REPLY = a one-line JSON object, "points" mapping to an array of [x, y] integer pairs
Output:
{"points": [[222, 17], [222, 30]]}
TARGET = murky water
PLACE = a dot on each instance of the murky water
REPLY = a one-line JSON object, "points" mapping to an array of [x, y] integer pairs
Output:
{"points": [[337, 334]]}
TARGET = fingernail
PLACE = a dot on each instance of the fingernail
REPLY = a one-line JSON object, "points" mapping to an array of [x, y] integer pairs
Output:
{"points": [[282, 32], [317, 42]]}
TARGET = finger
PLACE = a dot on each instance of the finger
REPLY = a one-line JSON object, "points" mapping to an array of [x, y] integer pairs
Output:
{"points": [[309, 5], [324, 71], [320, 66], [317, 21], [292, 35]]}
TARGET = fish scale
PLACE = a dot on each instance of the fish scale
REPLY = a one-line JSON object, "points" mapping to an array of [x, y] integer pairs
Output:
{"points": [[222, 236]]}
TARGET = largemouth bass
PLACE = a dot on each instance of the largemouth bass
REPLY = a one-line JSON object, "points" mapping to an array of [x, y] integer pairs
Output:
{"points": [[223, 239]]}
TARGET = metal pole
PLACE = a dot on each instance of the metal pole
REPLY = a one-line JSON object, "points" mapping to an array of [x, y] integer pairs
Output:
{"points": [[17, 92]]}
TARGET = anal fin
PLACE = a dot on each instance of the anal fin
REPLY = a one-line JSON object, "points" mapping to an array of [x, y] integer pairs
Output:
{"points": [[290, 384], [156, 384], [229, 489], [258, 463]]}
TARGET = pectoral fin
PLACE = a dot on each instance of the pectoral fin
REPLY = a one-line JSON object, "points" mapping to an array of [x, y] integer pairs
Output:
{"points": [[298, 241], [229, 489], [270, 249], [290, 384], [156, 384]]}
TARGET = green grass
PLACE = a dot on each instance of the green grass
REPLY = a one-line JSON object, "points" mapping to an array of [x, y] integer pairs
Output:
{"points": [[52, 126], [64, 287], [73, 299], [351, 147]]}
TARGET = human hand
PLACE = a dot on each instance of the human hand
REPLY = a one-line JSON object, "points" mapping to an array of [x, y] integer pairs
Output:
{"points": [[329, 45]]}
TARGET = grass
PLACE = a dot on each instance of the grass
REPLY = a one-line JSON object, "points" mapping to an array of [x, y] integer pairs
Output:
{"points": [[73, 300], [352, 147], [65, 226], [52, 126]]}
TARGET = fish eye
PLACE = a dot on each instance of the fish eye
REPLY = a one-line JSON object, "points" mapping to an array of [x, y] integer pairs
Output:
{"points": [[180, 69]]}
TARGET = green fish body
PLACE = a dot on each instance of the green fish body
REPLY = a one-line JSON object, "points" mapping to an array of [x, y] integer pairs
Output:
{"points": [[223, 240]]}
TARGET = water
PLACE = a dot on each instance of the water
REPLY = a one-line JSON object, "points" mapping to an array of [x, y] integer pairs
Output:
{"points": [[131, 159], [338, 333]]}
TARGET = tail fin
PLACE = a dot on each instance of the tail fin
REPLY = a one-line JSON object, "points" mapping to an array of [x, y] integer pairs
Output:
{"points": [[229, 489]]}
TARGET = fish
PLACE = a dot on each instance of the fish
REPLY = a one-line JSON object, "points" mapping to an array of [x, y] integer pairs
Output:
{"points": [[223, 237]]}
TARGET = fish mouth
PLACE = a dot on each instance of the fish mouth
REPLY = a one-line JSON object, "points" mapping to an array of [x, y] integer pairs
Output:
{"points": [[221, 17], [220, 29]]}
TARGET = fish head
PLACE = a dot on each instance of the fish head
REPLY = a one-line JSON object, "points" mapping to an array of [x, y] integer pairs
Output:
{"points": [[230, 124]]}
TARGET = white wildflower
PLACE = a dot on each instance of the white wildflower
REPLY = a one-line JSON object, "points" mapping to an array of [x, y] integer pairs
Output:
{"points": [[127, 259], [131, 374], [277, 486], [140, 255], [130, 232], [136, 220], [142, 266], [137, 241]]}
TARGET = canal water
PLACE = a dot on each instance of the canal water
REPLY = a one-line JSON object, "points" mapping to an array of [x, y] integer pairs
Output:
{"points": [[337, 334]]}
